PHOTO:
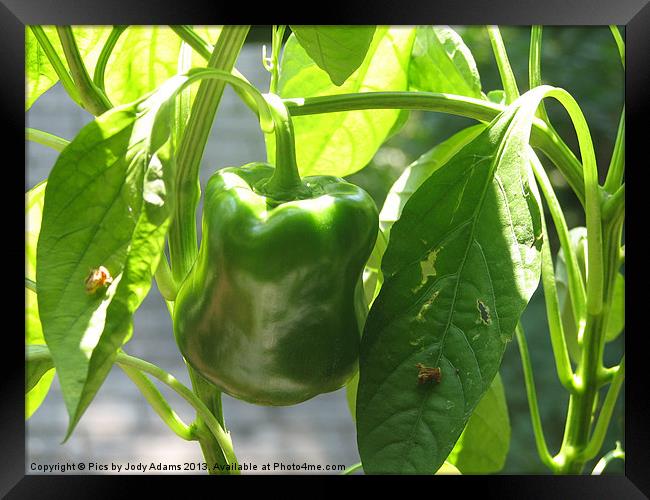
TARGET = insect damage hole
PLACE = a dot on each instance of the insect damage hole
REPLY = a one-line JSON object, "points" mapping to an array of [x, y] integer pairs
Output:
{"points": [[483, 313]]}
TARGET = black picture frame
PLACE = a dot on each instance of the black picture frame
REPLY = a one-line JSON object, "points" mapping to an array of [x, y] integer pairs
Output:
{"points": [[633, 14]]}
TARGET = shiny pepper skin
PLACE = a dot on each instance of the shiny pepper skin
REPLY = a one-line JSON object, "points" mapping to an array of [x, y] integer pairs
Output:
{"points": [[268, 312]]}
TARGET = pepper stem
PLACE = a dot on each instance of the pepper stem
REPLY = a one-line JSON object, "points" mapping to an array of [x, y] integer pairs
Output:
{"points": [[285, 178]]}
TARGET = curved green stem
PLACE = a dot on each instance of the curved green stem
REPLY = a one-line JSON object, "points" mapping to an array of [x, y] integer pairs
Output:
{"points": [[620, 44], [222, 437], [92, 98], [159, 403], [107, 50], [556, 329], [183, 235], [204, 49], [607, 458], [614, 204], [535, 66], [503, 63], [285, 181], [617, 163], [57, 64], [605, 416], [531, 393], [46, 139], [542, 136], [576, 285], [351, 469]]}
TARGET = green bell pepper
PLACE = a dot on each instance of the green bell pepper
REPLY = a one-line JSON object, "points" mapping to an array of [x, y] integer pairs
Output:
{"points": [[272, 310], [267, 313]]}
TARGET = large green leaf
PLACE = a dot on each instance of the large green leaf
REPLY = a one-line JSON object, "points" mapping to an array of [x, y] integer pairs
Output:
{"points": [[459, 269], [343, 143], [338, 50], [106, 204], [144, 57], [483, 446], [441, 62], [419, 171], [39, 73], [39, 375]]}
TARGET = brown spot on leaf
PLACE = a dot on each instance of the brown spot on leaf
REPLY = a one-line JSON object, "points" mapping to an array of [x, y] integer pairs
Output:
{"points": [[427, 374]]}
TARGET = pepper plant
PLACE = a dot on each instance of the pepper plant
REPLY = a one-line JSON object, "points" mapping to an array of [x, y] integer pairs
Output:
{"points": [[300, 284]]}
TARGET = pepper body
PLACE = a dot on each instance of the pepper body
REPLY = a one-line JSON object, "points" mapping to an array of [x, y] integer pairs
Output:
{"points": [[268, 312]]}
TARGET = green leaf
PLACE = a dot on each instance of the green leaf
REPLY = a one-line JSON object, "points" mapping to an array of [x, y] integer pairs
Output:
{"points": [[483, 446], [38, 366], [497, 96], [459, 270], [351, 395], [39, 73], [372, 276], [419, 171], [441, 62], [616, 319], [144, 57], [338, 50], [39, 375], [106, 204], [343, 143]]}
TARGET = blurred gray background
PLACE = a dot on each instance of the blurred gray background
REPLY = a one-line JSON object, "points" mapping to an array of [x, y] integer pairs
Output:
{"points": [[120, 427]]}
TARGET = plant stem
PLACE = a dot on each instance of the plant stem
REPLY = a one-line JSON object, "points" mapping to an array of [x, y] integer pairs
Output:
{"points": [[57, 64], [503, 63], [278, 35], [352, 469], [92, 98], [183, 235], [556, 329], [617, 163], [542, 136], [46, 139], [535, 67], [208, 420], [576, 285], [577, 447], [104, 56], [183, 244], [607, 458], [204, 49], [614, 204], [285, 181], [159, 404], [605, 416], [620, 44], [531, 393]]}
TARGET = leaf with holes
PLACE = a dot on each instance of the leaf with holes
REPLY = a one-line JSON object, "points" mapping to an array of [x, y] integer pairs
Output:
{"points": [[459, 270]]}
